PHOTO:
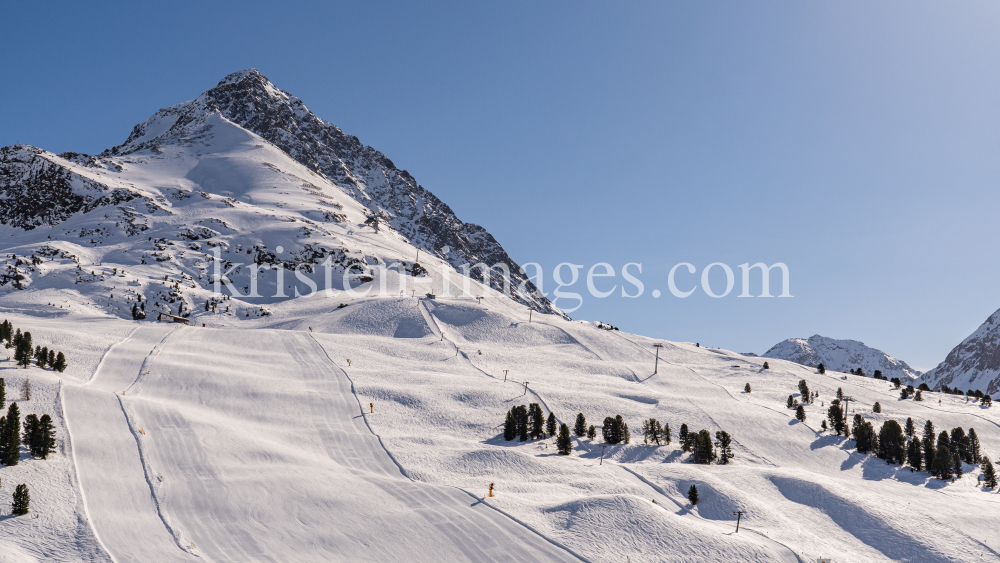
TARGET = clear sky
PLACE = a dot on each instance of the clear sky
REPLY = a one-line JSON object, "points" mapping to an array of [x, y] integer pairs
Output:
{"points": [[856, 142]]}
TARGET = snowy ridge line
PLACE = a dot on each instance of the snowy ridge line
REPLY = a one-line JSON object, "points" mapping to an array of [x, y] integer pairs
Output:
{"points": [[573, 338], [360, 408], [76, 467], [106, 351], [147, 471], [147, 363], [515, 519]]}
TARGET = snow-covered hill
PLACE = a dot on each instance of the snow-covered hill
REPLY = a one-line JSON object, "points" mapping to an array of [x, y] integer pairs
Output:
{"points": [[840, 355], [974, 364]]}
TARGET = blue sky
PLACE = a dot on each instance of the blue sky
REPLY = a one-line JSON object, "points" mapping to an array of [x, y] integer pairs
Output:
{"points": [[856, 143]]}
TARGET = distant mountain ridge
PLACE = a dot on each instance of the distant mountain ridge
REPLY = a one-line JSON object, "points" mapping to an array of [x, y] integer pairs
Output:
{"points": [[840, 355], [973, 364]]}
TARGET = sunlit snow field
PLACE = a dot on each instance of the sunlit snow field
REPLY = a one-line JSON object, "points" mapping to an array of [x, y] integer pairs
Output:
{"points": [[254, 440]]}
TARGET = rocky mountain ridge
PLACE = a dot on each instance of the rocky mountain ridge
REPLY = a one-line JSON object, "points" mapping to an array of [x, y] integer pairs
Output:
{"points": [[974, 364], [247, 169]]}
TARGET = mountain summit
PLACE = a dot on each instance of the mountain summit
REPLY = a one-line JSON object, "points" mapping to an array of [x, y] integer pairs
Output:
{"points": [[974, 364], [260, 162], [840, 355]]}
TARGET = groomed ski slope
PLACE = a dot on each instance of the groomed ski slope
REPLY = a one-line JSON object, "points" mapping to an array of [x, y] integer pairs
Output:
{"points": [[245, 441], [255, 450]]}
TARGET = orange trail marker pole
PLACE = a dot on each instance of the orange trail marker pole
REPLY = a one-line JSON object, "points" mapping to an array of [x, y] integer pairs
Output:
{"points": [[525, 389], [491, 489], [372, 407]]}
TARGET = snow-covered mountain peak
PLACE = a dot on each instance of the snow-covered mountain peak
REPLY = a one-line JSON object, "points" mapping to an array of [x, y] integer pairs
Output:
{"points": [[974, 364], [267, 174], [840, 355]]}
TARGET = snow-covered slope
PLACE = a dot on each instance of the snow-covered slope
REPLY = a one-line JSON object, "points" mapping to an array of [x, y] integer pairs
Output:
{"points": [[974, 364], [245, 169], [254, 441], [840, 355]]}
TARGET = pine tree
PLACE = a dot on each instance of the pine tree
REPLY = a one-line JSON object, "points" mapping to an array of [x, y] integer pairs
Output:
{"points": [[580, 428], [591, 433], [509, 426], [32, 435], [876, 407], [989, 473], [550, 424], [909, 428], [652, 431], [919, 396], [974, 455], [944, 440], [608, 430], [10, 445], [929, 434], [891, 443], [3, 392], [60, 363], [724, 442], [790, 403], [800, 413], [22, 352], [704, 450], [564, 444], [46, 437], [959, 442], [840, 394], [804, 390], [693, 495], [929, 451], [943, 462], [823, 425], [521, 419], [864, 437], [746, 388], [836, 417], [821, 368], [537, 421], [766, 366], [666, 434], [957, 459], [914, 455], [682, 436], [52, 358], [22, 500]]}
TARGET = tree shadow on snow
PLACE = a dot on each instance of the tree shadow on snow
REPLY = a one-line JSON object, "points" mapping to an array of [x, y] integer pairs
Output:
{"points": [[827, 441]]}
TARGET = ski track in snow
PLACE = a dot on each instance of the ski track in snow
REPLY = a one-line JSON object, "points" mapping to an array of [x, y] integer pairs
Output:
{"points": [[120, 504], [195, 495]]}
